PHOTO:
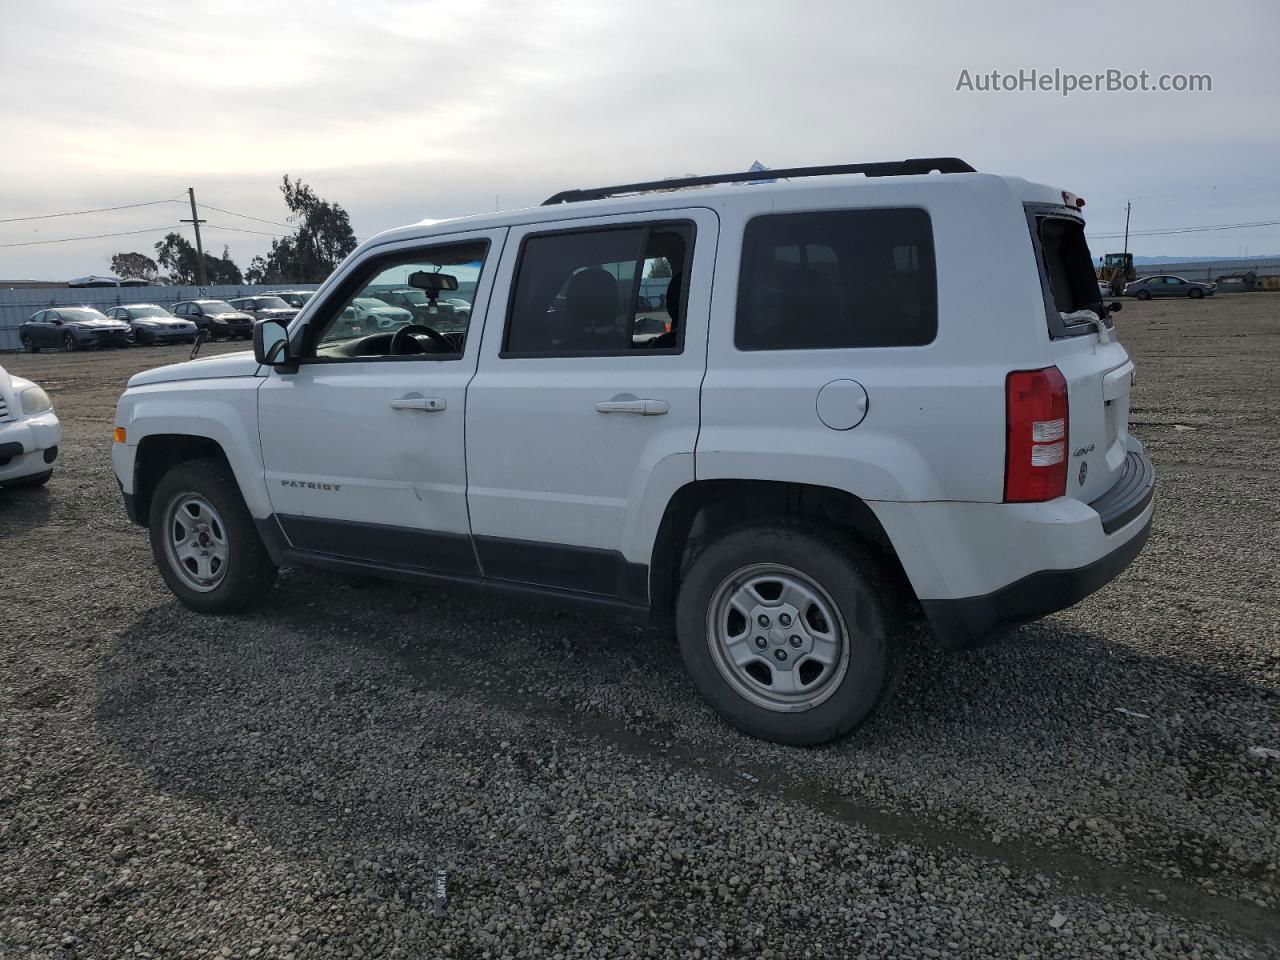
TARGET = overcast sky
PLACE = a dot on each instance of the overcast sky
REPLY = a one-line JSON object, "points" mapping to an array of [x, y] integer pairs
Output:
{"points": [[406, 110]]}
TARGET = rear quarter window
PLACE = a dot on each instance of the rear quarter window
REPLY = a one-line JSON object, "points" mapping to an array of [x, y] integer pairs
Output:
{"points": [[837, 279], [1067, 278]]}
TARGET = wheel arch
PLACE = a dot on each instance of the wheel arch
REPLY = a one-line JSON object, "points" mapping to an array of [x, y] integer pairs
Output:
{"points": [[157, 454], [702, 510]]}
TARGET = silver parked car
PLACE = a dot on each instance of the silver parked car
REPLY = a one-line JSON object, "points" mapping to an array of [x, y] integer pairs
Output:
{"points": [[150, 324], [1144, 288]]}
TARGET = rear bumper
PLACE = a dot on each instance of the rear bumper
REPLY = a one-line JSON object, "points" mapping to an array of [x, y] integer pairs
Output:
{"points": [[979, 569], [973, 621]]}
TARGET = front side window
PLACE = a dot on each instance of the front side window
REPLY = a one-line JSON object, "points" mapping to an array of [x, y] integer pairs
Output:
{"points": [[413, 303], [837, 279], [592, 292]]}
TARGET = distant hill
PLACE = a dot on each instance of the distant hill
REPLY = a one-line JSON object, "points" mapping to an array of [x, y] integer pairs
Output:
{"points": [[1154, 260]]}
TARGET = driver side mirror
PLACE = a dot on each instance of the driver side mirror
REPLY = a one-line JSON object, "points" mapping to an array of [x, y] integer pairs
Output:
{"points": [[271, 343]]}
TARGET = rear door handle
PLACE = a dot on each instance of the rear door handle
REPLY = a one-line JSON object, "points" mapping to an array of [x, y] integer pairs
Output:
{"points": [[425, 404], [646, 408]]}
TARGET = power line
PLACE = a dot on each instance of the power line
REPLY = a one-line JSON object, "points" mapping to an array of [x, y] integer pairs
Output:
{"points": [[1176, 230], [274, 223], [98, 236], [78, 213], [262, 233]]}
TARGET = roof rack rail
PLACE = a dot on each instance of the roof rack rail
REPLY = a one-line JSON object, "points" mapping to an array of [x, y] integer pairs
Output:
{"points": [[890, 168]]}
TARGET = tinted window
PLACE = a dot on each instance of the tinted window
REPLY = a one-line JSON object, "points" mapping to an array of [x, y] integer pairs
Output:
{"points": [[837, 279], [1068, 264], [579, 293]]}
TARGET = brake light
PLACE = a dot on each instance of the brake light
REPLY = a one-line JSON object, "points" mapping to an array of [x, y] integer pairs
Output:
{"points": [[1036, 431], [1071, 200]]}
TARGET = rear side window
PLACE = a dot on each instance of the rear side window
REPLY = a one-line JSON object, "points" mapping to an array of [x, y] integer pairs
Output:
{"points": [[601, 292], [837, 279], [1068, 265]]}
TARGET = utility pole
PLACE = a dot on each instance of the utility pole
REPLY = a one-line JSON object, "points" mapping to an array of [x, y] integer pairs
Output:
{"points": [[195, 221], [1127, 205]]}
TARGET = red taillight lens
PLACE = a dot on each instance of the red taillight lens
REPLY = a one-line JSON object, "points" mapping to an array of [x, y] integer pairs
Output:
{"points": [[1036, 436]]}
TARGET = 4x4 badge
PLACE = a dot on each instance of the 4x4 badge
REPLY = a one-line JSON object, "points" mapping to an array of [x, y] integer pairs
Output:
{"points": [[1084, 471]]}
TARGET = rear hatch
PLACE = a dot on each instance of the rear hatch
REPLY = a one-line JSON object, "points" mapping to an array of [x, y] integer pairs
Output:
{"points": [[1096, 367]]}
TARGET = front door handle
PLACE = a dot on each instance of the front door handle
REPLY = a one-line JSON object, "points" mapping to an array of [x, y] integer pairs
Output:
{"points": [[646, 408], [425, 404]]}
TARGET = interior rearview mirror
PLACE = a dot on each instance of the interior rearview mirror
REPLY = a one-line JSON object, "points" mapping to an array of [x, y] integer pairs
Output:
{"points": [[433, 283], [271, 343]]}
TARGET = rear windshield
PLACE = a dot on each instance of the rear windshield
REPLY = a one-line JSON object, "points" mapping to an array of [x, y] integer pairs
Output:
{"points": [[1068, 278]]}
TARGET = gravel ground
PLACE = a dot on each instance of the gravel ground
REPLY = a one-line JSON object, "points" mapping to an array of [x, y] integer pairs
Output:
{"points": [[288, 784]]}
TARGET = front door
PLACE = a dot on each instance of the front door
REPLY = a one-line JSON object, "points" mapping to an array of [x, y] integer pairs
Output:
{"points": [[363, 445], [583, 416]]}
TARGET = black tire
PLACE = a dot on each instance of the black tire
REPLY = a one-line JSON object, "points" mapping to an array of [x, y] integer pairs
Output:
{"points": [[1143, 294], [1195, 293], [68, 343], [249, 572], [850, 578], [38, 480], [29, 345]]}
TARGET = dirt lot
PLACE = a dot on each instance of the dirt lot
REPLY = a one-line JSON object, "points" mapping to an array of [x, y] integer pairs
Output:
{"points": [[287, 784]]}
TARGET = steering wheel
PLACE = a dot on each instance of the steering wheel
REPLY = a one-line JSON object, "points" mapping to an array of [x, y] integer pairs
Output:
{"points": [[401, 337]]}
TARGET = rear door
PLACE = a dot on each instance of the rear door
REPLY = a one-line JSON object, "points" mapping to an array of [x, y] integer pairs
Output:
{"points": [[1098, 374], [579, 429]]}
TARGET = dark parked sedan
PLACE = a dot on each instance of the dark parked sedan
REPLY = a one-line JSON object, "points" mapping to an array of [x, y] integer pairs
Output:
{"points": [[72, 328], [217, 319], [1144, 288], [151, 324], [269, 307]]}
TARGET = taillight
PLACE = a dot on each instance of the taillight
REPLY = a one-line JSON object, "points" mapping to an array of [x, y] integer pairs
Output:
{"points": [[1036, 431]]}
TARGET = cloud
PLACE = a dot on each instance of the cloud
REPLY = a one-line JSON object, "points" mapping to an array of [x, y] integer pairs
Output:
{"points": [[403, 110]]}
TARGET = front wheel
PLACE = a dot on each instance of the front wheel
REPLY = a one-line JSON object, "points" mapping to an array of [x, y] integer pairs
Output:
{"points": [[204, 540], [785, 632], [1144, 294], [1195, 293], [29, 345], [68, 343]]}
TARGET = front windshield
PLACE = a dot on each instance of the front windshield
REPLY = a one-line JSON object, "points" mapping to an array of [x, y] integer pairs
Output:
{"points": [[82, 313], [216, 306], [272, 303], [369, 303], [139, 312]]}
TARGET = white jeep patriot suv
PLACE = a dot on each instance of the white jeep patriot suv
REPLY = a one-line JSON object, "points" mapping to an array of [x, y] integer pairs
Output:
{"points": [[786, 415]]}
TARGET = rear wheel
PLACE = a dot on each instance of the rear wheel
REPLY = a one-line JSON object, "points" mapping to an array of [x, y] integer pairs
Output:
{"points": [[204, 541], [785, 632], [1195, 293], [28, 345], [1144, 294]]}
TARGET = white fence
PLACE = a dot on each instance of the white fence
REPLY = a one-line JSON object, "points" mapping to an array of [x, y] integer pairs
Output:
{"points": [[17, 305]]}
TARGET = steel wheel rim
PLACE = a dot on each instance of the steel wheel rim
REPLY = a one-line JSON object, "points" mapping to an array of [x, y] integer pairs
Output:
{"points": [[777, 638], [196, 542]]}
